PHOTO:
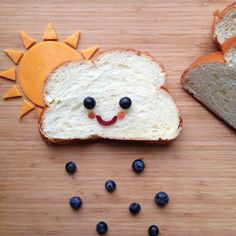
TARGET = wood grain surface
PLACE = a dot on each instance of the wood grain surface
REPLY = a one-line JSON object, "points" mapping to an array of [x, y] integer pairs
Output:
{"points": [[198, 170]]}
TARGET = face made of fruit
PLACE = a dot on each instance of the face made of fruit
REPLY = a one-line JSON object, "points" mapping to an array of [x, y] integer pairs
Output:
{"points": [[116, 97], [90, 103]]}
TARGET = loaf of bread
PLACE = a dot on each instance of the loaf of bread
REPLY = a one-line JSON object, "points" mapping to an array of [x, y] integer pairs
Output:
{"points": [[211, 79], [119, 95]]}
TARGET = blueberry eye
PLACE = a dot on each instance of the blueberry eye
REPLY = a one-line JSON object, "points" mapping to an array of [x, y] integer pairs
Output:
{"points": [[125, 102], [89, 103]]}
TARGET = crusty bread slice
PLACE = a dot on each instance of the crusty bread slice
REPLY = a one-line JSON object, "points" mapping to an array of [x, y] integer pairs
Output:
{"points": [[211, 79], [113, 74], [224, 26]]}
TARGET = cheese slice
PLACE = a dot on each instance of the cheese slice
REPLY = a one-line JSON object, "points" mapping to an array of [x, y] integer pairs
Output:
{"points": [[28, 41], [14, 55], [50, 33], [73, 39], [39, 113], [25, 108], [12, 93], [88, 52], [9, 74]]}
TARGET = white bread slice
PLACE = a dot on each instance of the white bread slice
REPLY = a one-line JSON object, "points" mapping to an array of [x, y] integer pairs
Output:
{"points": [[224, 26], [211, 79], [114, 74]]}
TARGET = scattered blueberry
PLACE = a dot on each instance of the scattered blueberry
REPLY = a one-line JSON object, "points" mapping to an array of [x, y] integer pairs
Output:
{"points": [[125, 102], [110, 186], [70, 167], [138, 165], [75, 202], [134, 208], [101, 228], [89, 103], [153, 230], [161, 199]]}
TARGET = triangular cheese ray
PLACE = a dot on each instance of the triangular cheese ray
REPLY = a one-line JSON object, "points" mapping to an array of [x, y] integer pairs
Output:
{"points": [[28, 41], [50, 33], [14, 55], [9, 74], [39, 113], [25, 108], [88, 52], [73, 39], [12, 93]]}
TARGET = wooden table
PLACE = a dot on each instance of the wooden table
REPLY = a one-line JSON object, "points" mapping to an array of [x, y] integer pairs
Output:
{"points": [[198, 170]]}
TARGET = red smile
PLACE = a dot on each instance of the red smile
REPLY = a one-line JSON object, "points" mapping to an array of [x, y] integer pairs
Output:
{"points": [[120, 115], [106, 122]]}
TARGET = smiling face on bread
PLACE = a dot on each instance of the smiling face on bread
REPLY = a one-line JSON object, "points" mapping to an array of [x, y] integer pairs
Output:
{"points": [[117, 96], [90, 103]]}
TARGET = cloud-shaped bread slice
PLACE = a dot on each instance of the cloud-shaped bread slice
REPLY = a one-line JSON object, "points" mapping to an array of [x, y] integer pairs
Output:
{"points": [[126, 100], [211, 79]]}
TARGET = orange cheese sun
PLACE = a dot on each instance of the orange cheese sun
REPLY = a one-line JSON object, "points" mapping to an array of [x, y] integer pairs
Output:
{"points": [[37, 62]]}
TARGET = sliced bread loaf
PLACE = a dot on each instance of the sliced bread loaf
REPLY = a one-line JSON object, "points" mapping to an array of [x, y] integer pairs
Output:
{"points": [[211, 79], [113, 75], [224, 26]]}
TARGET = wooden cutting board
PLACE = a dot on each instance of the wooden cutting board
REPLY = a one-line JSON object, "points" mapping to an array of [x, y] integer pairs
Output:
{"points": [[198, 170]]}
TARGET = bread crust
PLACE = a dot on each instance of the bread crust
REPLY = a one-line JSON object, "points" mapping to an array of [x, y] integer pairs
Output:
{"points": [[218, 16], [98, 138], [229, 44], [215, 57]]}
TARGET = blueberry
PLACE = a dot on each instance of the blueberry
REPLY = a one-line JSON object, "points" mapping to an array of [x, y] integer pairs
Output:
{"points": [[134, 208], [89, 103], [161, 199], [138, 165], [110, 186], [153, 230], [70, 167], [125, 102], [75, 202], [101, 228]]}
